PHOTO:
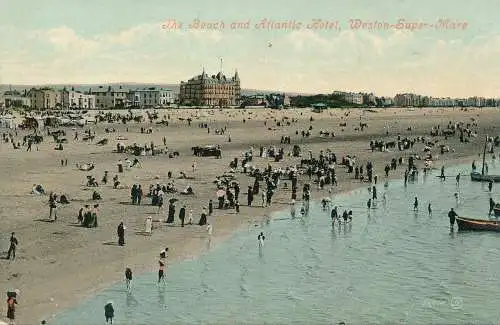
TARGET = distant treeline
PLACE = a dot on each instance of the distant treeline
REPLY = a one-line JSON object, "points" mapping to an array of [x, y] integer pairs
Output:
{"points": [[330, 100]]}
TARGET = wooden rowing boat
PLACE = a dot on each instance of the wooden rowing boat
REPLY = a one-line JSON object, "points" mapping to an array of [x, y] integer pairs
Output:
{"points": [[468, 224], [478, 177]]}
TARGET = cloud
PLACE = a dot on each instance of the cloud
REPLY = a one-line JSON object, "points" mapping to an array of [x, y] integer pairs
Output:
{"points": [[303, 60], [131, 35], [66, 39]]}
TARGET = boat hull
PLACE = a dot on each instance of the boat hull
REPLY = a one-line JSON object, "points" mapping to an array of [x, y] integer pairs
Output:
{"points": [[467, 224], [478, 177], [496, 211]]}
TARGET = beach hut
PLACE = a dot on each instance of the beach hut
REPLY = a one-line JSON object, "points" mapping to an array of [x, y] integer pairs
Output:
{"points": [[319, 107]]}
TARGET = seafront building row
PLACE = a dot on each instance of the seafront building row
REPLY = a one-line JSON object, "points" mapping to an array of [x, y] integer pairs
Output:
{"points": [[217, 90], [100, 98]]}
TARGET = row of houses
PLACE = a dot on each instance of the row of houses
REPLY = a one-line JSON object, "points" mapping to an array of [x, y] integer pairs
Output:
{"points": [[414, 100], [100, 98], [368, 99], [274, 100]]}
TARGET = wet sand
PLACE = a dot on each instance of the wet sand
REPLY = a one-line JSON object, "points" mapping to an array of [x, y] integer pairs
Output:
{"points": [[58, 264]]}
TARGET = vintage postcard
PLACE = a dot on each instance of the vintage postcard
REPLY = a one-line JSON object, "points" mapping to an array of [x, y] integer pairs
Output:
{"points": [[249, 162]]}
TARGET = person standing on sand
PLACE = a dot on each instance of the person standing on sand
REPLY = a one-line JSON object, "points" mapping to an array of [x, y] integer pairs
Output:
{"points": [[182, 215], [415, 204], [95, 214], [250, 196], [12, 247], [140, 193], [11, 309], [429, 209], [210, 207], [121, 234], [52, 207]]}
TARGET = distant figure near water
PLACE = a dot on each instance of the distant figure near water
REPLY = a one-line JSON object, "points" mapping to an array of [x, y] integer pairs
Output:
{"points": [[128, 277], [109, 312], [429, 209], [415, 204], [261, 239]]}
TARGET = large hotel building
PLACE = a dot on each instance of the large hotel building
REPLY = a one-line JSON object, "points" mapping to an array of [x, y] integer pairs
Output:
{"points": [[217, 90]]}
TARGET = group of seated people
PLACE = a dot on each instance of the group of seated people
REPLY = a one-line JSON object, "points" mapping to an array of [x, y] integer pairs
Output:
{"points": [[63, 199], [91, 181], [187, 191], [96, 196]]}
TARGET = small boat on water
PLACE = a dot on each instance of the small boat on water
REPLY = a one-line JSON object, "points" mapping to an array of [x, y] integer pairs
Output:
{"points": [[468, 224], [478, 177], [481, 176]]}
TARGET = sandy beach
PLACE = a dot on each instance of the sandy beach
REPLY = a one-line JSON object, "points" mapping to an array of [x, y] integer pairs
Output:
{"points": [[58, 263]]}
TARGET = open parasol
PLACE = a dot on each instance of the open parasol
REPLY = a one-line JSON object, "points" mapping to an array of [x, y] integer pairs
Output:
{"points": [[173, 200], [221, 193]]}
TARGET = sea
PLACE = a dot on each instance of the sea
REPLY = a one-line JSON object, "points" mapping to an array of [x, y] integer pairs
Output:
{"points": [[390, 265]]}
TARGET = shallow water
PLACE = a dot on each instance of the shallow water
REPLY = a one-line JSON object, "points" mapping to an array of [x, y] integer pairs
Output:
{"points": [[392, 265]]}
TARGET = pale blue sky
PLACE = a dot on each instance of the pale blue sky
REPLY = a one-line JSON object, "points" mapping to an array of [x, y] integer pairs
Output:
{"points": [[100, 41]]}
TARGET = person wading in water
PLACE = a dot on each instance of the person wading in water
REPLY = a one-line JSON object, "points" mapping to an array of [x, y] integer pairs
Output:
{"points": [[452, 215]]}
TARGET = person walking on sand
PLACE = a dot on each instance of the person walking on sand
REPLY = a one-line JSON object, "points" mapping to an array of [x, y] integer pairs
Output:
{"points": [[12, 246], [128, 277], [415, 204], [429, 209]]}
